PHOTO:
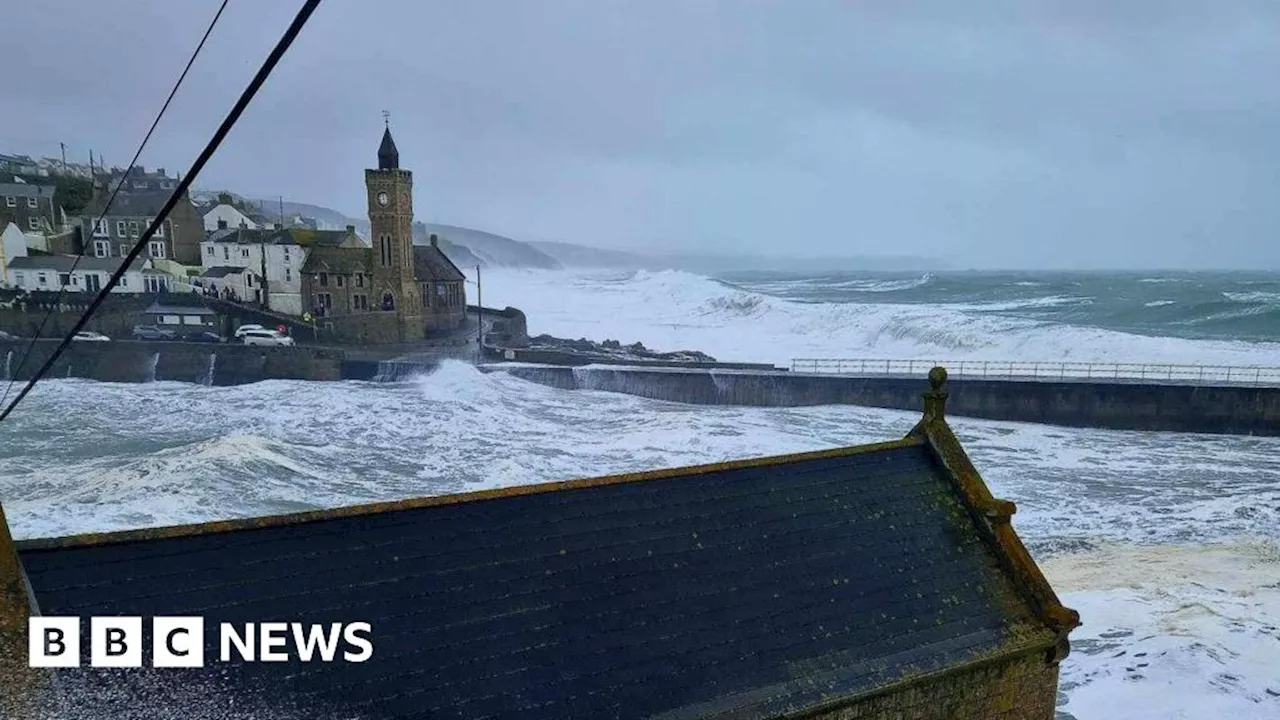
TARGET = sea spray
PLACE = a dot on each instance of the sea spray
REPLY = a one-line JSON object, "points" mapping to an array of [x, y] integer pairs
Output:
{"points": [[8, 365], [152, 363], [207, 380]]}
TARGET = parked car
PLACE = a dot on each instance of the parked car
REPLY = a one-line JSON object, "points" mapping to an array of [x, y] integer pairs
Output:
{"points": [[266, 337], [240, 331], [203, 336], [152, 332], [90, 336]]}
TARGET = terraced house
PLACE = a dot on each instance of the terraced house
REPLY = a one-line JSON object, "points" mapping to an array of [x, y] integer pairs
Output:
{"points": [[36, 211], [178, 237], [238, 259]]}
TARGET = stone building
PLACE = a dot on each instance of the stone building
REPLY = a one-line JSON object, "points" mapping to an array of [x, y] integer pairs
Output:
{"points": [[873, 582], [394, 291], [248, 255], [132, 211]]}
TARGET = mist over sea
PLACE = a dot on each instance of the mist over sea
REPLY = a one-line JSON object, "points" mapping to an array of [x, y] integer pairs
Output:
{"points": [[1165, 543]]}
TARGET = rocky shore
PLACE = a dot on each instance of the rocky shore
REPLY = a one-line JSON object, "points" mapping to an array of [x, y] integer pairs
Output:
{"points": [[614, 350]]}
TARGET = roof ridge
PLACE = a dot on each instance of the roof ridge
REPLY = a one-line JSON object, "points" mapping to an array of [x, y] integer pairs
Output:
{"points": [[992, 514], [253, 523]]}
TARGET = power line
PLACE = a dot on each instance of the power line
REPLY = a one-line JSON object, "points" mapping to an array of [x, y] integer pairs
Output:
{"points": [[229, 122], [62, 289]]}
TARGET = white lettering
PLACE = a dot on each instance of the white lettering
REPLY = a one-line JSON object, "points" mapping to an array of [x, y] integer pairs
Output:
{"points": [[244, 644], [316, 637], [272, 635], [115, 642], [353, 638]]}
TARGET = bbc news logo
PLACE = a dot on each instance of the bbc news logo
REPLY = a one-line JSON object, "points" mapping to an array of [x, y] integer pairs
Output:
{"points": [[178, 642]]}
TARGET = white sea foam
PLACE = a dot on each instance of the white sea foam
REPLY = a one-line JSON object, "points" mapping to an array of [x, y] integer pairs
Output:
{"points": [[672, 310], [1159, 303], [1123, 521]]}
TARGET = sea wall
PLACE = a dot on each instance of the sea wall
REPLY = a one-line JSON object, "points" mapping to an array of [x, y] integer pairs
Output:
{"points": [[206, 363], [1231, 409]]}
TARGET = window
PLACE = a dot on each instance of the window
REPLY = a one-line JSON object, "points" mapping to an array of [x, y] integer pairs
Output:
{"points": [[324, 279], [426, 295], [124, 281], [388, 301], [441, 289], [122, 228], [100, 229], [286, 255], [156, 248], [42, 279], [288, 275], [11, 201], [339, 279], [19, 278], [33, 202], [248, 280], [102, 248], [64, 279], [244, 252], [159, 230], [384, 250], [209, 251], [226, 253], [156, 284], [133, 228], [325, 300], [124, 250], [359, 279], [33, 223], [359, 302]]}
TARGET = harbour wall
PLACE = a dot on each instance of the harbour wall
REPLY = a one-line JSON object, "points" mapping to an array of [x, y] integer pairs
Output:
{"points": [[205, 363], [1112, 404]]}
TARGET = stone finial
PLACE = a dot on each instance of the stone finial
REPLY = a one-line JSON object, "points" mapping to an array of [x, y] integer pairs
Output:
{"points": [[935, 398]]}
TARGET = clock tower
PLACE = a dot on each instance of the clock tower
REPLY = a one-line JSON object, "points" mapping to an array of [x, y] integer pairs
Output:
{"points": [[394, 286]]}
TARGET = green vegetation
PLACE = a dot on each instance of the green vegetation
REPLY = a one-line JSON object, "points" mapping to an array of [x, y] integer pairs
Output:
{"points": [[73, 192]]}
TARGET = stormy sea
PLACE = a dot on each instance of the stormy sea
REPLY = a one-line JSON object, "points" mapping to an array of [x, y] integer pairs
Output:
{"points": [[1167, 544]]}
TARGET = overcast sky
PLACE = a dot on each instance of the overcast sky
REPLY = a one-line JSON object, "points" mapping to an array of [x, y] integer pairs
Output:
{"points": [[1076, 133]]}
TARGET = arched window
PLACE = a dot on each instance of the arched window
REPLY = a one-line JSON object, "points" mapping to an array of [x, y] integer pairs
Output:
{"points": [[384, 251], [388, 301]]}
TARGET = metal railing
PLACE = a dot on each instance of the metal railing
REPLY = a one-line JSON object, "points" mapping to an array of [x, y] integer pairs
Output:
{"points": [[1024, 370]]}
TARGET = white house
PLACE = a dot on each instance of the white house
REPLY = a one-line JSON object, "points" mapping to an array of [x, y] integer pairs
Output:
{"points": [[13, 244], [49, 273], [222, 216], [236, 260]]}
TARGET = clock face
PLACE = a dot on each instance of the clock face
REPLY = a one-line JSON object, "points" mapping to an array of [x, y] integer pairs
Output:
{"points": [[383, 199]]}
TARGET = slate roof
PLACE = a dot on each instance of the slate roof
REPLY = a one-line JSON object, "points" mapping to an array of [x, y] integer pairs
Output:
{"points": [[158, 309], [26, 190], [430, 263], [222, 271], [146, 203], [305, 237], [64, 263], [753, 589], [340, 260]]}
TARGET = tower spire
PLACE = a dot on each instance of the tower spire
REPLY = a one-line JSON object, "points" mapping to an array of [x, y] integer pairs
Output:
{"points": [[388, 155]]}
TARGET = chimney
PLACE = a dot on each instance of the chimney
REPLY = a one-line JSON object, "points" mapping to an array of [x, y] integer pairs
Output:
{"points": [[435, 240], [222, 224], [351, 229], [160, 172]]}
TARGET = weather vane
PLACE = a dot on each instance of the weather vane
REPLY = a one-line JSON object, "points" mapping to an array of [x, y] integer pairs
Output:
{"points": [[386, 119]]}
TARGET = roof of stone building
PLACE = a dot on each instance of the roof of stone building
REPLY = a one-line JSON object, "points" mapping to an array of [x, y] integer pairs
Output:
{"points": [[147, 203], [430, 263], [340, 260], [755, 589], [303, 236], [27, 190]]}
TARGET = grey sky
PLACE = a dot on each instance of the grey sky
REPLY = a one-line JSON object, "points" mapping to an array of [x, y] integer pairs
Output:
{"points": [[1076, 133]]}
